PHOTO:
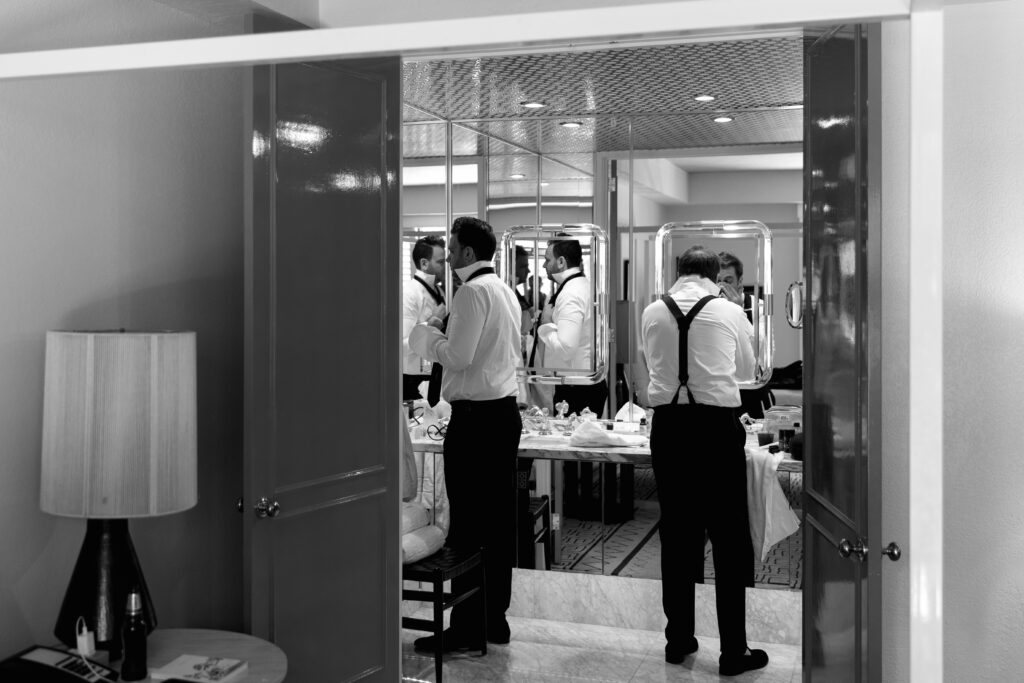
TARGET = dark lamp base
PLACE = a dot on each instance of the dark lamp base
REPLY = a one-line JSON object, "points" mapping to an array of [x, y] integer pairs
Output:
{"points": [[107, 570]]}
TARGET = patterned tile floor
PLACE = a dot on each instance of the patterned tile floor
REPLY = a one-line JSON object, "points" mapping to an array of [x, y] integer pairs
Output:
{"points": [[633, 548], [551, 651]]}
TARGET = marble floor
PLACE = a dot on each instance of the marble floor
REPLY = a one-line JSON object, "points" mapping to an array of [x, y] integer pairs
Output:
{"points": [[545, 651]]}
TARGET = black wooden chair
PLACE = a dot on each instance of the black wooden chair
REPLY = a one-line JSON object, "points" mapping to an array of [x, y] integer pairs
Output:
{"points": [[442, 566]]}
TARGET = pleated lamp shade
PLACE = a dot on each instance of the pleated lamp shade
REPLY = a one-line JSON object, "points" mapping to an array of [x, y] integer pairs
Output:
{"points": [[119, 424]]}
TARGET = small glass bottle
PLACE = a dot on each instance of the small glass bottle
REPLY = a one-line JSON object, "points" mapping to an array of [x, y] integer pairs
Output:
{"points": [[643, 425], [133, 637]]}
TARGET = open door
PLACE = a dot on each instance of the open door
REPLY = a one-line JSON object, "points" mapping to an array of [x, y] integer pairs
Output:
{"points": [[842, 391], [322, 341]]}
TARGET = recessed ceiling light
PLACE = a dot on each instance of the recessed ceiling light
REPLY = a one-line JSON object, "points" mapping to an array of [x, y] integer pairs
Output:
{"points": [[517, 176], [723, 119], [571, 124], [533, 105], [705, 98], [544, 184]]}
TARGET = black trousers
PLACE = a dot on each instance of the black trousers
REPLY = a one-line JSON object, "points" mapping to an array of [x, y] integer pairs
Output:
{"points": [[480, 448], [410, 386], [701, 473]]}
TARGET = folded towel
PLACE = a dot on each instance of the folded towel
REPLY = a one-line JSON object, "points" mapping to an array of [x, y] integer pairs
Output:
{"points": [[771, 517], [421, 543], [414, 516], [589, 434]]}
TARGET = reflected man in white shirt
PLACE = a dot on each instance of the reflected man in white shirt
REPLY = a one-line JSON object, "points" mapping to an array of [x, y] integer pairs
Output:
{"points": [[697, 346], [730, 279], [422, 300], [479, 353]]}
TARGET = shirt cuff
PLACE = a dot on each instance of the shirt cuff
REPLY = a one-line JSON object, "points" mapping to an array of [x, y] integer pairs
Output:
{"points": [[422, 339]]}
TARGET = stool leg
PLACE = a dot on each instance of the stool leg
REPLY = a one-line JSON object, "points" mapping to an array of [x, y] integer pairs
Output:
{"points": [[438, 626], [483, 591]]}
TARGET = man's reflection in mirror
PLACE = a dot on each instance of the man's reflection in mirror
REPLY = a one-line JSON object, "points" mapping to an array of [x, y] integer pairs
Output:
{"points": [[730, 280]]}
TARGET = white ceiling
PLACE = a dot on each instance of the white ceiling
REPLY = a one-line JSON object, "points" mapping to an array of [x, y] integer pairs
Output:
{"points": [[790, 161]]}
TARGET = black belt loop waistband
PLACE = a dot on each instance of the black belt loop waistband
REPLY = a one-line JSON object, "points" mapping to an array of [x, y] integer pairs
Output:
{"points": [[469, 404]]}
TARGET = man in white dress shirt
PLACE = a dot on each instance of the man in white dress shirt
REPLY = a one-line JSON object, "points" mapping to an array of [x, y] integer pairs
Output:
{"points": [[730, 280], [697, 345], [421, 300], [566, 338], [479, 353]]}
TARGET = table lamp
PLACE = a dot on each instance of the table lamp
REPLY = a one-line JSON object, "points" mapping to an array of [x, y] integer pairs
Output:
{"points": [[119, 441]]}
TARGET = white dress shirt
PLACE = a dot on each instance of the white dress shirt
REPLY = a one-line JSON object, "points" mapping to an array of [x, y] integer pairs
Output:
{"points": [[480, 350], [720, 347], [567, 332], [417, 307]]}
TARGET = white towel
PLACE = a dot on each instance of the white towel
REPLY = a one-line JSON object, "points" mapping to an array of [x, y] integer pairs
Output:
{"points": [[771, 517], [421, 543], [589, 434], [414, 516]]}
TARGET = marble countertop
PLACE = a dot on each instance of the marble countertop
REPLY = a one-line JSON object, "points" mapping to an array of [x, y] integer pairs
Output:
{"points": [[556, 447]]}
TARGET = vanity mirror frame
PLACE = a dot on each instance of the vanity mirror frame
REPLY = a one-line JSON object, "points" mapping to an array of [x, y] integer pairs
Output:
{"points": [[595, 265], [738, 229]]}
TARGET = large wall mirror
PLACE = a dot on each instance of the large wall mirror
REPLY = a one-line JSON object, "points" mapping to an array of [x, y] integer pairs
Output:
{"points": [[550, 140]]}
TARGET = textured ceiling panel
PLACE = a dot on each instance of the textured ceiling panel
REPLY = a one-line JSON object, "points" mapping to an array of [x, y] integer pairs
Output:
{"points": [[631, 97], [746, 74]]}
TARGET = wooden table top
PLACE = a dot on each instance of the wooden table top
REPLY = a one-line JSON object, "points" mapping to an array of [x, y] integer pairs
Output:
{"points": [[267, 662]]}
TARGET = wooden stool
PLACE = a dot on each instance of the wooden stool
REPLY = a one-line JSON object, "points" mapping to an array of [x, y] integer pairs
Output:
{"points": [[442, 566]]}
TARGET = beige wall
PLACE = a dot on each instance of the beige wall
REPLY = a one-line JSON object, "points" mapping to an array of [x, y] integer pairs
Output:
{"points": [[121, 208], [983, 321]]}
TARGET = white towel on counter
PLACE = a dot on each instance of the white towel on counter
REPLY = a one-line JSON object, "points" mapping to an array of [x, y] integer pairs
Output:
{"points": [[421, 543], [771, 517], [589, 434]]}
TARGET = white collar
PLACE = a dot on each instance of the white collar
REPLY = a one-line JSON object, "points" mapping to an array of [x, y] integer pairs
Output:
{"points": [[561, 277], [702, 282], [466, 271], [425, 277]]}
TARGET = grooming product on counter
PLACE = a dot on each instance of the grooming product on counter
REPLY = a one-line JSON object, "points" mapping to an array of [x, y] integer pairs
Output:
{"points": [[133, 635]]}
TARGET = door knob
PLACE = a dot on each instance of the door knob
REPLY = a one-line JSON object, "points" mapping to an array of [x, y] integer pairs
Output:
{"points": [[892, 551], [858, 549], [266, 508]]}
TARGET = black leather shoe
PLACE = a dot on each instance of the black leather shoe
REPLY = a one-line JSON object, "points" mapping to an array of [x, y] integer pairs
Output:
{"points": [[453, 642], [675, 654], [732, 665], [499, 634]]}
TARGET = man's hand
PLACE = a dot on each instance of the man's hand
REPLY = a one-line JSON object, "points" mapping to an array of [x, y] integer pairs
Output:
{"points": [[434, 321], [733, 294]]}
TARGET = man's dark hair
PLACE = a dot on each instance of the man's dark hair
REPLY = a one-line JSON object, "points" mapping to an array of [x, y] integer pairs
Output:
{"points": [[730, 261], [424, 248], [699, 261], [476, 234], [570, 250], [521, 251]]}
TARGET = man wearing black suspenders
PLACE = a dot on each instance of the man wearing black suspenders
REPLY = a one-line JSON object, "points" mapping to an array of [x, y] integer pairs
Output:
{"points": [[697, 346]]}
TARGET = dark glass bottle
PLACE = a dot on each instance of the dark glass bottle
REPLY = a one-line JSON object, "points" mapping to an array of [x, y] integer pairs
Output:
{"points": [[133, 636]]}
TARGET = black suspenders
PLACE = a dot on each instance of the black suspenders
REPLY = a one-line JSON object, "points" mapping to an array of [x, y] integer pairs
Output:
{"points": [[684, 331]]}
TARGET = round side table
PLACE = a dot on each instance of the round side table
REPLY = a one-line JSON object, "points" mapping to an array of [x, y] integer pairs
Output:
{"points": [[267, 662]]}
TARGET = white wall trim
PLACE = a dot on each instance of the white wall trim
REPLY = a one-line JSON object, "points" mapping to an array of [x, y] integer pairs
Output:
{"points": [[656, 19], [924, 551]]}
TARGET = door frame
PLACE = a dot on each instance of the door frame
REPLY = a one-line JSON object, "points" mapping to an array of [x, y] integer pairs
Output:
{"points": [[676, 20]]}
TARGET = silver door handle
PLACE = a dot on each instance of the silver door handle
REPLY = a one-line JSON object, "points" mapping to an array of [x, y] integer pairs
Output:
{"points": [[795, 305], [858, 549], [266, 508], [892, 551]]}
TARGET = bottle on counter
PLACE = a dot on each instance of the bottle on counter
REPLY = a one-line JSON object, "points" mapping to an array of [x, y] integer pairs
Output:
{"points": [[643, 425], [133, 637]]}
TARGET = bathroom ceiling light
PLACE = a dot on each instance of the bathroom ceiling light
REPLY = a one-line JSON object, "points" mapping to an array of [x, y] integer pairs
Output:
{"points": [[571, 124], [705, 98], [533, 105], [517, 176], [723, 119], [544, 184]]}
